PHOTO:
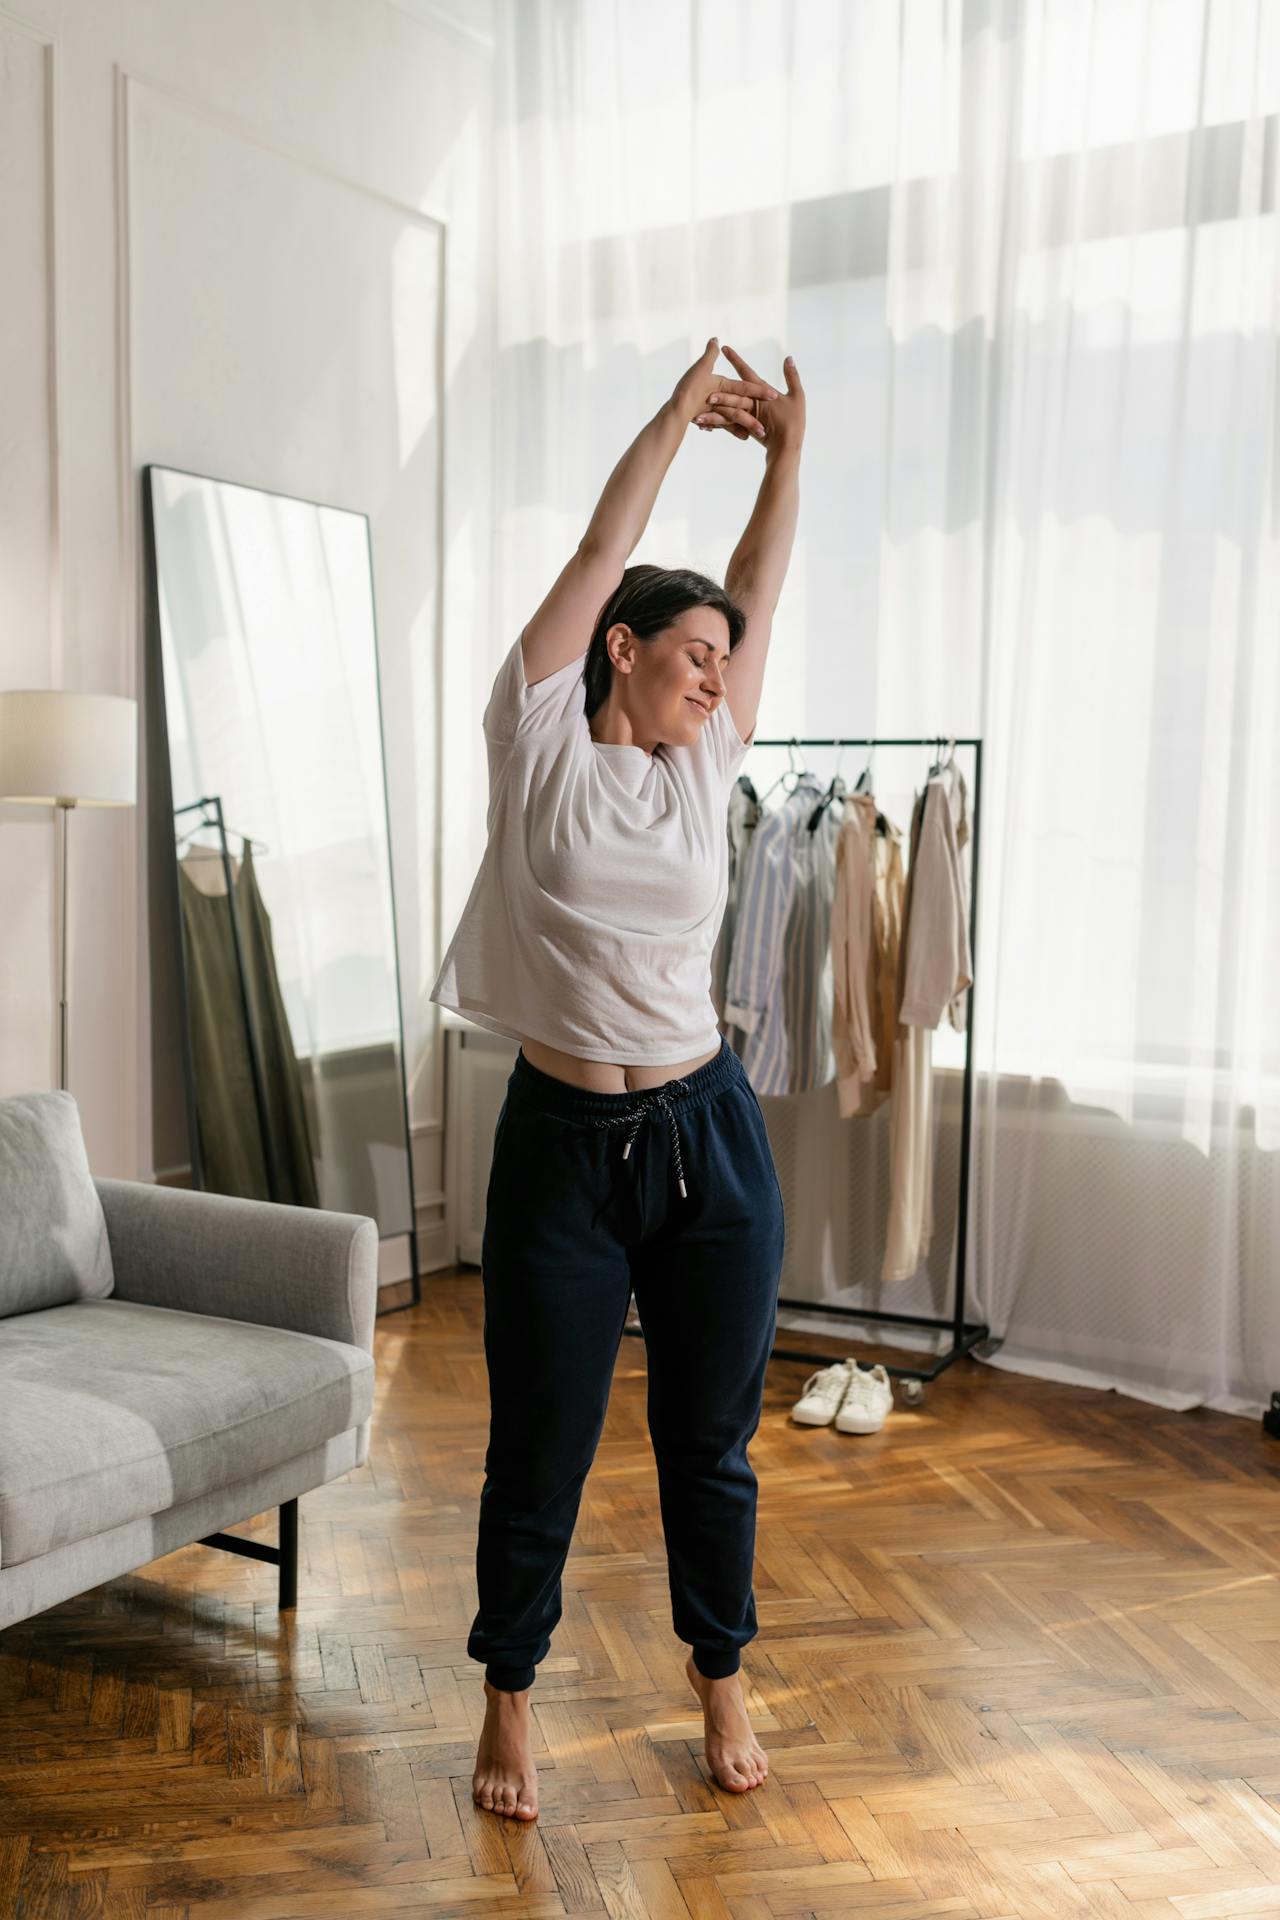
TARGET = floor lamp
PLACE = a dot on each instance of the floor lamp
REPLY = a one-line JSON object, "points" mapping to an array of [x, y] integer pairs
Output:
{"points": [[67, 750]]}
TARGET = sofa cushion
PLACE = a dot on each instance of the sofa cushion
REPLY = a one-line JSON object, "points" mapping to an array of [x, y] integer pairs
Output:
{"points": [[111, 1411], [53, 1237]]}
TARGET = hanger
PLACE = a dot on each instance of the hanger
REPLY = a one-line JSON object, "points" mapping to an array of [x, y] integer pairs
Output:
{"points": [[792, 771], [943, 760], [836, 791], [259, 846], [864, 785]]}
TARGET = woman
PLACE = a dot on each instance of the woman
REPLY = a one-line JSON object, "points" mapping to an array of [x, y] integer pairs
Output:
{"points": [[630, 1153]]}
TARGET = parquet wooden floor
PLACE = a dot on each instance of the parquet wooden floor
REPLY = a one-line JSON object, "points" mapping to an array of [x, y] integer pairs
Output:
{"points": [[1019, 1655]]}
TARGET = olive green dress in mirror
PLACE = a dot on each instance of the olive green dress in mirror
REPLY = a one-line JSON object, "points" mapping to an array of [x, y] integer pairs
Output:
{"points": [[239, 1155]]}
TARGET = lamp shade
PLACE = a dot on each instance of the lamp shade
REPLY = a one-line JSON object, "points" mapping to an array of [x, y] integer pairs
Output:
{"points": [[75, 747]]}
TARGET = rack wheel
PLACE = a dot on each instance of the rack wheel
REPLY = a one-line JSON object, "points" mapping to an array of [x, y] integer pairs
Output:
{"points": [[913, 1392]]}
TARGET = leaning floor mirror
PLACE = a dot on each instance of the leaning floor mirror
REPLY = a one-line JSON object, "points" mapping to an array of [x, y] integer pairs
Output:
{"points": [[285, 935]]}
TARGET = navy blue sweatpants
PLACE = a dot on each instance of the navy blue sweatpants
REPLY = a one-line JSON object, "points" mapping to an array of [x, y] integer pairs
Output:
{"points": [[584, 1207]]}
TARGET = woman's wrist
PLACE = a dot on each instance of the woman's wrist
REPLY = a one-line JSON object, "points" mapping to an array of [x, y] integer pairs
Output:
{"points": [[784, 457], [673, 415], [623, 510]]}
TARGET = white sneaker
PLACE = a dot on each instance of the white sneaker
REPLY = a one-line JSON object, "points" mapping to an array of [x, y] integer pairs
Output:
{"points": [[866, 1402], [822, 1393]]}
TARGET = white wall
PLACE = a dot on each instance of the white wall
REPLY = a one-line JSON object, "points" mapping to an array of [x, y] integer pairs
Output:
{"points": [[250, 241]]}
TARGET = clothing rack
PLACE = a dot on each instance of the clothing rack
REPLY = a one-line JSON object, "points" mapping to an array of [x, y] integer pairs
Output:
{"points": [[214, 801], [965, 1334]]}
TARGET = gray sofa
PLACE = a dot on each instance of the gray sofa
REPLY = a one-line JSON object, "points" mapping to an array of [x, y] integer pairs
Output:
{"points": [[171, 1362]]}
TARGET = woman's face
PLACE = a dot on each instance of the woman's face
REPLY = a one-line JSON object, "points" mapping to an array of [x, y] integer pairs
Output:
{"points": [[677, 678]]}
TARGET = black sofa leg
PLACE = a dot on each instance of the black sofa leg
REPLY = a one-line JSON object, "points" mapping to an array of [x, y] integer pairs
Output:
{"points": [[288, 1554]]}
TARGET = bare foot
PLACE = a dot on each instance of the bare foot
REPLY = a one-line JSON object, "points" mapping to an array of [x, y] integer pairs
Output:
{"points": [[737, 1760], [505, 1780]]}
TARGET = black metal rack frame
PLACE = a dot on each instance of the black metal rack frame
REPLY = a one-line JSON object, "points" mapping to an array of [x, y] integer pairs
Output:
{"points": [[965, 1334]]}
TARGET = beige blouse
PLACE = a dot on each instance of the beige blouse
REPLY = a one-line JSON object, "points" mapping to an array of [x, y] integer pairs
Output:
{"points": [[866, 930]]}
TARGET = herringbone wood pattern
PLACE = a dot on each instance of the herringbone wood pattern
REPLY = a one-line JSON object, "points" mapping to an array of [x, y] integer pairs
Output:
{"points": [[1019, 1655]]}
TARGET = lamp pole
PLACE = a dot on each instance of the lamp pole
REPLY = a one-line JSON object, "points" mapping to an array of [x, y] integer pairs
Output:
{"points": [[63, 807]]}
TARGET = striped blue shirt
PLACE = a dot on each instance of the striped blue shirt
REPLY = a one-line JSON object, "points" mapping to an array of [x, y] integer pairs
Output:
{"points": [[744, 815], [780, 989]]}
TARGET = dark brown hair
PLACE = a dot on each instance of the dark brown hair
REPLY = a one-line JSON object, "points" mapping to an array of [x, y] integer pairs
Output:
{"points": [[648, 600]]}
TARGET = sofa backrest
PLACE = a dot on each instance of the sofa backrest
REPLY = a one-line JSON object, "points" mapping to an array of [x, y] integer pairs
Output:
{"points": [[53, 1234]]}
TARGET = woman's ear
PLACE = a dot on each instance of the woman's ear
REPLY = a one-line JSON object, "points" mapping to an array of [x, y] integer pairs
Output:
{"points": [[620, 645]]}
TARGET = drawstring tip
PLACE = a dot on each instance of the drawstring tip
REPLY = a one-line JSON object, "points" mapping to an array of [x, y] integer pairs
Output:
{"points": [[626, 1149], [684, 1191]]}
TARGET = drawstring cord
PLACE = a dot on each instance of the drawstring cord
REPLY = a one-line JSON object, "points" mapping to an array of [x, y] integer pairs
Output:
{"points": [[657, 1099]]}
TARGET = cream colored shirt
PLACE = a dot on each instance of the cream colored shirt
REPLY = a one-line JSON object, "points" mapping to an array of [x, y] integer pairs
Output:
{"points": [[936, 971], [866, 922], [937, 966], [592, 918]]}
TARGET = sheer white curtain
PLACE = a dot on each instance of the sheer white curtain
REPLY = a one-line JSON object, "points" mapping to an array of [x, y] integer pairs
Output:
{"points": [[1025, 255]]}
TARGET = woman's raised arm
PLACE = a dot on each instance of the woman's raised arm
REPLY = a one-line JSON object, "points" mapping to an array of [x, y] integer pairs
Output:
{"points": [[758, 564], [561, 629]]}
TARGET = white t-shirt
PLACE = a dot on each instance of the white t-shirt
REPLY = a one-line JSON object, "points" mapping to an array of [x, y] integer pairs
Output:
{"points": [[592, 918]]}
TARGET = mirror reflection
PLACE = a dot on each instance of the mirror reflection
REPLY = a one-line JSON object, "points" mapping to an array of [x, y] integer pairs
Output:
{"points": [[295, 1057]]}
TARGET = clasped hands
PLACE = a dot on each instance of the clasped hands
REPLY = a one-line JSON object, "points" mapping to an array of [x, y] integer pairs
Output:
{"points": [[749, 408]]}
